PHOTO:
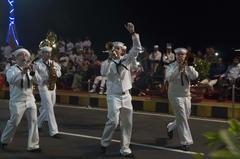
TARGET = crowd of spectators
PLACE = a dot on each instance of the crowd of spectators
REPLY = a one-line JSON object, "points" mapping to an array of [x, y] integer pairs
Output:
{"points": [[81, 69]]}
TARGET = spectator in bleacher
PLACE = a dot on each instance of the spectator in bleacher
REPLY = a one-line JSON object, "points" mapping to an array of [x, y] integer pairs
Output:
{"points": [[90, 56], [86, 44], [67, 78], [199, 54], [79, 58], [216, 70], [80, 76], [119, 99], [168, 56], [135, 69], [232, 75], [179, 74], [61, 47], [6, 51], [9, 62], [137, 72], [144, 60], [210, 55], [189, 50], [79, 45], [155, 59], [64, 60], [73, 56], [99, 79], [70, 47]]}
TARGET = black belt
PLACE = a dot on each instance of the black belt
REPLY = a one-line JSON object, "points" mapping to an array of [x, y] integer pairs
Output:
{"points": [[126, 92], [121, 93]]}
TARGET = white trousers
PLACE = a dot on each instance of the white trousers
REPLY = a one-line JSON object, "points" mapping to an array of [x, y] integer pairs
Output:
{"points": [[119, 111], [208, 82], [48, 100], [17, 109], [182, 109], [98, 79]]}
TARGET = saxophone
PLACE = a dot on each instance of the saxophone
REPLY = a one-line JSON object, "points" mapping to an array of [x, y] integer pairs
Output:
{"points": [[51, 41], [52, 77]]}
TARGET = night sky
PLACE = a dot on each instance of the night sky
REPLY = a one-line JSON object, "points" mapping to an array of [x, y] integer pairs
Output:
{"points": [[196, 23]]}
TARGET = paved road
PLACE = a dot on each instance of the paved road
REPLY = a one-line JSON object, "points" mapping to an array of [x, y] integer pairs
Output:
{"points": [[82, 127]]}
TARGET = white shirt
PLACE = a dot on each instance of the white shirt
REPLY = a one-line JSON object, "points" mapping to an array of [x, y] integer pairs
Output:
{"points": [[61, 47], [15, 78], [86, 43], [43, 71], [173, 76], [120, 81], [7, 51], [79, 45], [64, 60], [70, 46], [155, 56], [233, 72], [168, 58]]}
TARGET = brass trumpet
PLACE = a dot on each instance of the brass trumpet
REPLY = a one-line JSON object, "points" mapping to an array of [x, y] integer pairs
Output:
{"points": [[110, 50], [50, 40]]}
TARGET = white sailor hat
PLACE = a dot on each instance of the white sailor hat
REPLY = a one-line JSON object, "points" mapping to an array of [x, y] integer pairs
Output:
{"points": [[180, 50], [156, 46], [46, 49], [118, 44], [124, 47], [21, 50], [169, 46]]}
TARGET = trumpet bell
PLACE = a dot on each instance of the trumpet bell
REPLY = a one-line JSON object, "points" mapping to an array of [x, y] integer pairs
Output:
{"points": [[50, 40], [45, 42]]}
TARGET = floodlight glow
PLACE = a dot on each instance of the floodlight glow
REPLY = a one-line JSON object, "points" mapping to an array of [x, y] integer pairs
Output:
{"points": [[237, 50], [216, 53]]}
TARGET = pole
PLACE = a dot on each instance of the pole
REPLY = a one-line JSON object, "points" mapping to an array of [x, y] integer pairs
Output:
{"points": [[233, 98], [89, 87]]}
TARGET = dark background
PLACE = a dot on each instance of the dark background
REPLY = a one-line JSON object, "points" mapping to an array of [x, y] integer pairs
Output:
{"points": [[197, 23]]}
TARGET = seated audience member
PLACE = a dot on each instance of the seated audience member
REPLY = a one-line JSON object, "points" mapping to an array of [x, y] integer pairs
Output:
{"points": [[232, 75], [155, 59], [216, 70], [99, 78]]}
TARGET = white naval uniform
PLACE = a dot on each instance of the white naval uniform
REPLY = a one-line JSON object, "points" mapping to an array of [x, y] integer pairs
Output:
{"points": [[21, 101], [119, 99], [180, 99], [48, 97]]}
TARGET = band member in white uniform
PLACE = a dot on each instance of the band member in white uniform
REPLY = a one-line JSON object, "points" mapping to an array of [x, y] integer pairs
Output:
{"points": [[48, 97], [120, 109], [179, 74], [20, 78]]}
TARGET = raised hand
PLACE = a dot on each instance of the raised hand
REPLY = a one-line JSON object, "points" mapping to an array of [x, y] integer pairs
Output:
{"points": [[130, 27]]}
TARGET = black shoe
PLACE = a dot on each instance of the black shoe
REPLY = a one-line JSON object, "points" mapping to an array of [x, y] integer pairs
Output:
{"points": [[170, 134], [185, 147], [56, 136], [3, 146], [37, 150], [103, 149], [130, 155]]}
